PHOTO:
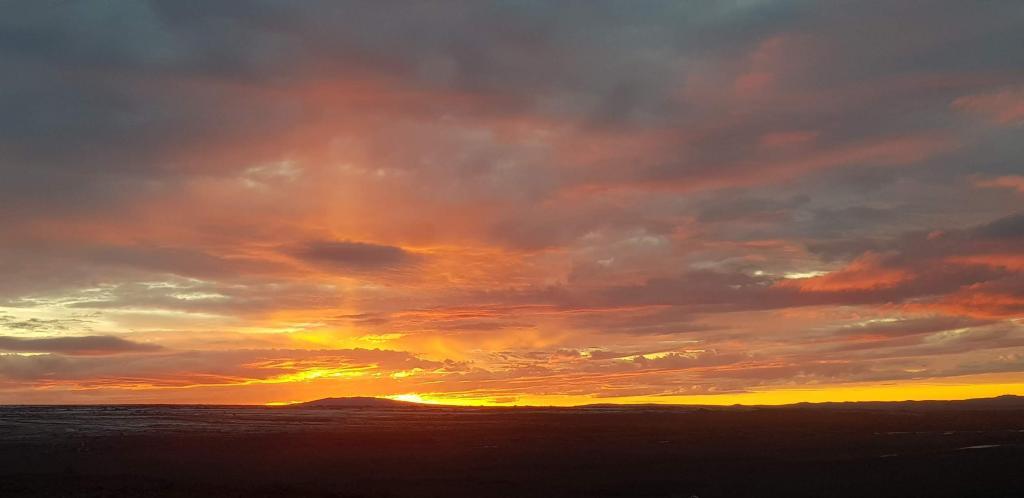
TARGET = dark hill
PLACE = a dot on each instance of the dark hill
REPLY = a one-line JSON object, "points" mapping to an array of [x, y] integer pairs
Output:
{"points": [[356, 402], [1005, 402]]}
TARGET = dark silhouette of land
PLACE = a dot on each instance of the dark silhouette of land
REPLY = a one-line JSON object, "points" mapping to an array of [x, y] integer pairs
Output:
{"points": [[355, 402], [366, 447]]}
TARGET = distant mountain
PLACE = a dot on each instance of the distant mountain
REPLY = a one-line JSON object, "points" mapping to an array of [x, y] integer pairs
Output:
{"points": [[1005, 402], [356, 402]]}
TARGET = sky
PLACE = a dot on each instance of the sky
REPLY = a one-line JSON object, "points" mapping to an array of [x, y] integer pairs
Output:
{"points": [[737, 201]]}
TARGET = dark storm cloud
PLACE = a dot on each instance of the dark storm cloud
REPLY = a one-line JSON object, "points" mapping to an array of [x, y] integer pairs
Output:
{"points": [[97, 345]]}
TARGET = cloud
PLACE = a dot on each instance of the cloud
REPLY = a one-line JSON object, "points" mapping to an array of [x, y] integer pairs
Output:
{"points": [[864, 273], [747, 209], [910, 326], [11, 323], [191, 368], [96, 345], [1012, 182], [354, 255], [1004, 107]]}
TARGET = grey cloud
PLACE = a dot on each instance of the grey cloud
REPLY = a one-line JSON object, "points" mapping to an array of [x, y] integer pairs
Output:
{"points": [[914, 326], [249, 296], [747, 209], [1008, 228], [931, 346], [34, 267], [10, 323], [199, 367], [96, 345], [357, 256], [534, 56], [923, 254], [925, 246]]}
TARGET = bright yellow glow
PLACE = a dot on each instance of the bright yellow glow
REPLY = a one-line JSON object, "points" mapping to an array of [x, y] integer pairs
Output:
{"points": [[401, 374], [413, 398], [865, 392], [806, 274], [320, 373]]}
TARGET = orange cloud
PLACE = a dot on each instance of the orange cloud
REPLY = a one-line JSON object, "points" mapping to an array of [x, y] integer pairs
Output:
{"points": [[865, 273]]}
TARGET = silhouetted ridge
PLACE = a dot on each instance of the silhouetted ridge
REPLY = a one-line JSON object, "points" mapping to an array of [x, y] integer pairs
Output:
{"points": [[1008, 401], [356, 402]]}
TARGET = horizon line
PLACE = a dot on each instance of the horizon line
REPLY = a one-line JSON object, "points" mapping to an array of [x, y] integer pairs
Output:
{"points": [[450, 405]]}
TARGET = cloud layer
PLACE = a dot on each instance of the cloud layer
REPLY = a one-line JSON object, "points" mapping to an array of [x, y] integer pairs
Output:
{"points": [[204, 201]]}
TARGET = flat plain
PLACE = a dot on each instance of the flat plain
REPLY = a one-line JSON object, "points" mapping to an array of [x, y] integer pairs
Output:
{"points": [[636, 451]]}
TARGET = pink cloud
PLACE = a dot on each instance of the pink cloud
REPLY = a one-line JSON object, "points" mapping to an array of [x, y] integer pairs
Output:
{"points": [[1013, 182], [1005, 107]]}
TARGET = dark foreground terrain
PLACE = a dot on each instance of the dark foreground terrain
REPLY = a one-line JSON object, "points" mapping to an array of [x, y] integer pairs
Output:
{"points": [[384, 451]]}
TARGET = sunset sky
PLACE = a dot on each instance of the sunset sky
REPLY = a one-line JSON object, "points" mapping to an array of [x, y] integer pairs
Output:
{"points": [[743, 201]]}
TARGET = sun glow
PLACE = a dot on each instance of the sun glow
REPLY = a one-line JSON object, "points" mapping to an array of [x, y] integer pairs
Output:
{"points": [[320, 373], [413, 398], [963, 388]]}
